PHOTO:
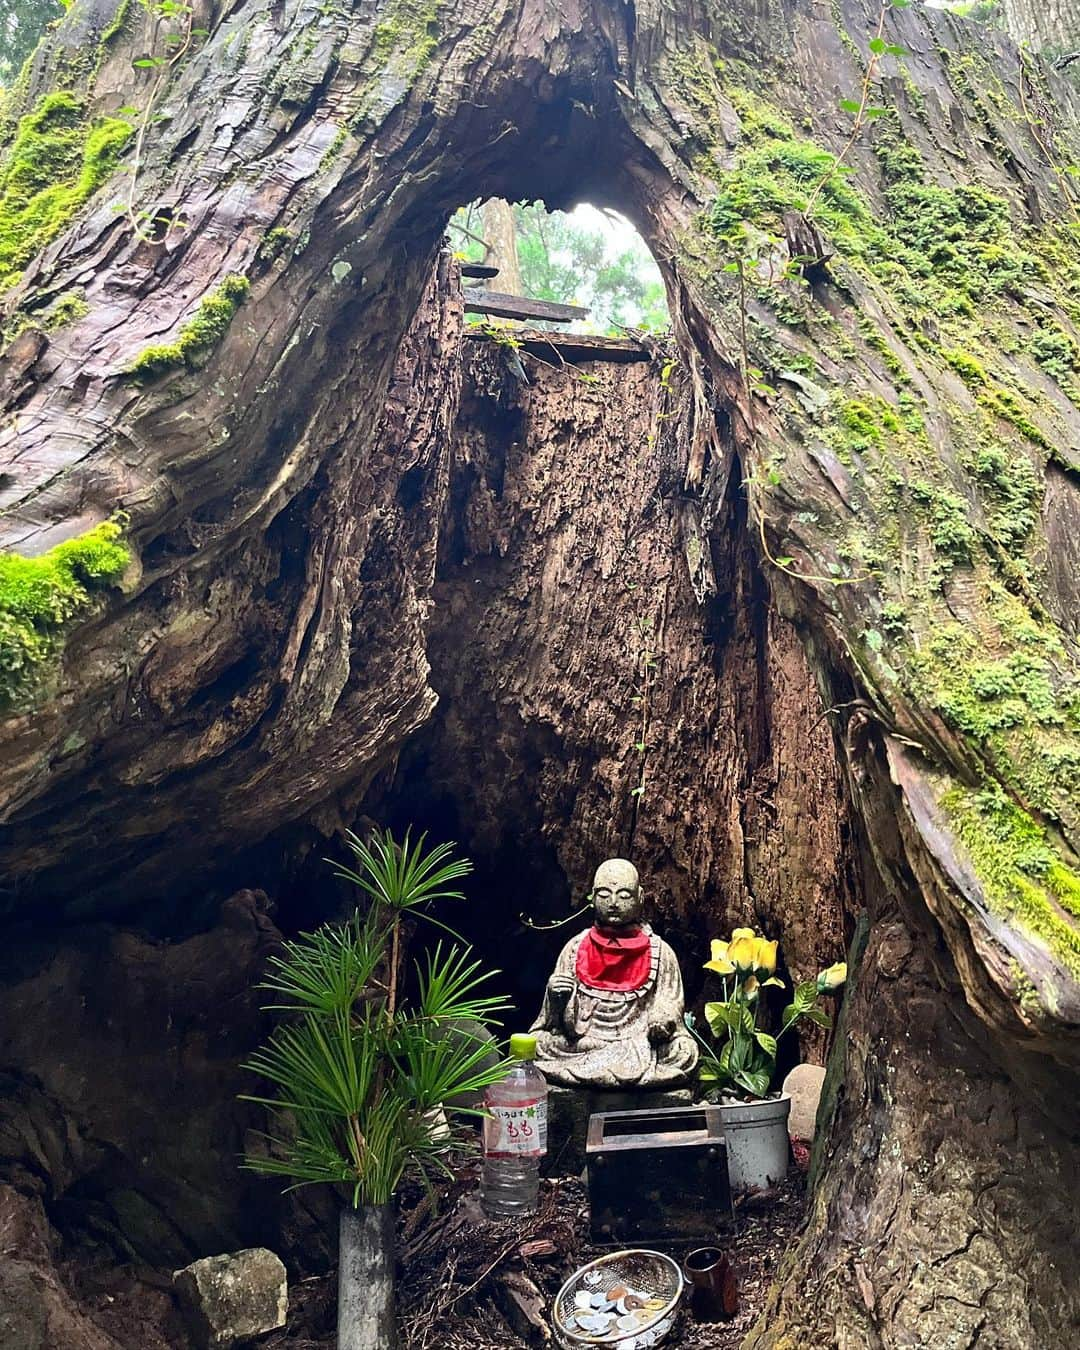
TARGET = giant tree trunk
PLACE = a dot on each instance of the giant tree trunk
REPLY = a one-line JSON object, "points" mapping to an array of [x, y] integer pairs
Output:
{"points": [[908, 451]]}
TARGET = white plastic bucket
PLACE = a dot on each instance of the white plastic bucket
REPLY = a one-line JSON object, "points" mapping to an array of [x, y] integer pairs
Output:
{"points": [[757, 1142]]}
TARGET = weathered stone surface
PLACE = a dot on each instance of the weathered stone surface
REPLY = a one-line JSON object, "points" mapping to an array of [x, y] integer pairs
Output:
{"points": [[630, 1038], [232, 1297], [803, 1085]]}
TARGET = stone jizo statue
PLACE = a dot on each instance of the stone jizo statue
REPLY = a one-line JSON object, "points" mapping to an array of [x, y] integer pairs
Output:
{"points": [[613, 1008]]}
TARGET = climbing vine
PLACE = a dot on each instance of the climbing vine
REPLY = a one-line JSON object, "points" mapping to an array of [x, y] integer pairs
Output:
{"points": [[177, 38]]}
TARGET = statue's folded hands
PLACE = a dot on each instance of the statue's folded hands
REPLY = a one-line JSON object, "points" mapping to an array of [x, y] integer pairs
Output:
{"points": [[661, 1032]]}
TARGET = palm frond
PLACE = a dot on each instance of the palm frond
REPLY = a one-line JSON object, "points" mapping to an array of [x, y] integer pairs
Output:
{"points": [[446, 984], [328, 969], [356, 1082], [320, 1063], [402, 876], [434, 1069]]}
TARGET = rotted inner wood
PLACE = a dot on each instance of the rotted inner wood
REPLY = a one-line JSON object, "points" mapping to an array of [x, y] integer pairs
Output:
{"points": [[572, 347]]}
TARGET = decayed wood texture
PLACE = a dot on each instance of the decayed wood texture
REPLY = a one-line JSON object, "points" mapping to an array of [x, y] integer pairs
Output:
{"points": [[554, 347], [575, 664], [893, 482]]}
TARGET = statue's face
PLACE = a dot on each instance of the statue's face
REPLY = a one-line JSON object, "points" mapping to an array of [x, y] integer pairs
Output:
{"points": [[617, 894]]}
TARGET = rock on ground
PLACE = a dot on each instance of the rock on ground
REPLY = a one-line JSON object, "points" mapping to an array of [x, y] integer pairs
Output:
{"points": [[232, 1297], [803, 1086]]}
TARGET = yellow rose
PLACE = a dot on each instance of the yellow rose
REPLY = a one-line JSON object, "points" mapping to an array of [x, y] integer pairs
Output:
{"points": [[832, 978], [742, 951], [765, 956], [719, 961], [742, 933]]}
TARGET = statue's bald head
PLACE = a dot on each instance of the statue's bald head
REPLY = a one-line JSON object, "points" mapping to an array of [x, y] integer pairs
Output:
{"points": [[617, 894]]}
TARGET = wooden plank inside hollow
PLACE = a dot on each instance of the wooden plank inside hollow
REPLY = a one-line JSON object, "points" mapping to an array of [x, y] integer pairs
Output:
{"points": [[573, 348], [501, 306]]}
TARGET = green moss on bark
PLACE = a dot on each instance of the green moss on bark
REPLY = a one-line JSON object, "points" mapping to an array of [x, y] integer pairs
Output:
{"points": [[66, 308], [57, 161], [942, 495], [198, 337], [40, 596], [409, 31], [1021, 875]]}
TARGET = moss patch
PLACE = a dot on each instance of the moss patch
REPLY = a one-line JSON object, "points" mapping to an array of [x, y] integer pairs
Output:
{"points": [[39, 596], [199, 336], [1021, 875], [274, 244], [942, 494], [66, 308], [57, 160]]}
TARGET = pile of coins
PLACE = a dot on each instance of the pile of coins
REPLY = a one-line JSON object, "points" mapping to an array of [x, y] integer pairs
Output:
{"points": [[617, 1314]]}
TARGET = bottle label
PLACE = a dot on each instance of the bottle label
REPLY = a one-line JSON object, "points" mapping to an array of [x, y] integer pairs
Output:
{"points": [[516, 1129]]}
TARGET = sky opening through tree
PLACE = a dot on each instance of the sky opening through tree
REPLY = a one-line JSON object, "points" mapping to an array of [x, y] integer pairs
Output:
{"points": [[589, 256]]}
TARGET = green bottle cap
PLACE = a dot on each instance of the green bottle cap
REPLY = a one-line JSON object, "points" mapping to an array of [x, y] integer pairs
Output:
{"points": [[523, 1046]]}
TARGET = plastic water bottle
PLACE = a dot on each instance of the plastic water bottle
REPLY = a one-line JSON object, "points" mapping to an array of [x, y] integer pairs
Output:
{"points": [[515, 1135]]}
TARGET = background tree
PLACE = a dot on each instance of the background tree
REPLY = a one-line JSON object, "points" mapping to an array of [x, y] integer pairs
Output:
{"points": [[1048, 26], [22, 23], [500, 248]]}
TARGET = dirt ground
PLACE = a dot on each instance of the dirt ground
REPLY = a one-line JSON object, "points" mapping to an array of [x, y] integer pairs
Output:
{"points": [[469, 1284], [464, 1282]]}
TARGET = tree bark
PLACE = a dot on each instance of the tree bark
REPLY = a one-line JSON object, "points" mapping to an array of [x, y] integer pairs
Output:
{"points": [[894, 409], [1052, 27], [500, 238]]}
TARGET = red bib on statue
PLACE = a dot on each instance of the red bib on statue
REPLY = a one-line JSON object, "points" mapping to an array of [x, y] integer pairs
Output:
{"points": [[620, 963]]}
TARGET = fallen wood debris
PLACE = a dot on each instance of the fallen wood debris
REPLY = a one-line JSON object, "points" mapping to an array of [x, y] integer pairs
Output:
{"points": [[502, 306]]}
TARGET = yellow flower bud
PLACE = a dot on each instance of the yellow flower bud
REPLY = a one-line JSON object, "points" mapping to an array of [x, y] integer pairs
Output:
{"points": [[832, 978], [742, 933], [719, 963]]}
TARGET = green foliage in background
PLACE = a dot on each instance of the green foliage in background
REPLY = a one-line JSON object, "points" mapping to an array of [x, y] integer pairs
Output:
{"points": [[569, 263], [22, 23]]}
